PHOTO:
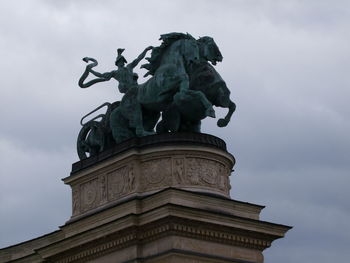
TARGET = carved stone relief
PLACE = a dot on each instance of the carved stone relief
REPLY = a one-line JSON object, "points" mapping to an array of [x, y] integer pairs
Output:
{"points": [[75, 201], [206, 172], [89, 194], [209, 173], [120, 182], [193, 169], [103, 186], [156, 173], [224, 179], [178, 170], [130, 180]]}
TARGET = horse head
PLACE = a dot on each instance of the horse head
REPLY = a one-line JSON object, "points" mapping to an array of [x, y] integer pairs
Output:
{"points": [[208, 50]]}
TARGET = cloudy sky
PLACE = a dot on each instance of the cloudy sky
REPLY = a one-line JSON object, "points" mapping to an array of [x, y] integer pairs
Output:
{"points": [[287, 66]]}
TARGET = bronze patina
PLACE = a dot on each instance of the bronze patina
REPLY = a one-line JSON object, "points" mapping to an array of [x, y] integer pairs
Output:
{"points": [[182, 90]]}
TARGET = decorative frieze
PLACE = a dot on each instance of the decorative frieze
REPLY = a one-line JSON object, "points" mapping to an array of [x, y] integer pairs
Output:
{"points": [[156, 174], [103, 186], [75, 201], [89, 195], [120, 182], [178, 170]]}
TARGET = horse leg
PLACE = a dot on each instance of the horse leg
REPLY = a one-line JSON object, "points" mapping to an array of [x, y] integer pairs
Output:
{"points": [[171, 120], [194, 104], [150, 119], [119, 126], [137, 121], [224, 121], [209, 107]]}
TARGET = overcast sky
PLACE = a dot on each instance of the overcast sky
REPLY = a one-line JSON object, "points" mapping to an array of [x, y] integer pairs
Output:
{"points": [[287, 66]]}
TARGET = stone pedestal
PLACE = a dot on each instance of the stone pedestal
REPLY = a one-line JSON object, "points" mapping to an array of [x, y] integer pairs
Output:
{"points": [[155, 199], [146, 167]]}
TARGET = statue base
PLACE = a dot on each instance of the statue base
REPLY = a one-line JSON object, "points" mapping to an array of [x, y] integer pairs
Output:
{"points": [[143, 166], [162, 198]]}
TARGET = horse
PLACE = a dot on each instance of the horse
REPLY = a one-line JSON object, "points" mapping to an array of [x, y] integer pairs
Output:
{"points": [[168, 65], [186, 111], [183, 87]]}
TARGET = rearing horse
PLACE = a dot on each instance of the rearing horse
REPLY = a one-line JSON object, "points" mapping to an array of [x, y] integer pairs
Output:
{"points": [[205, 88], [169, 66]]}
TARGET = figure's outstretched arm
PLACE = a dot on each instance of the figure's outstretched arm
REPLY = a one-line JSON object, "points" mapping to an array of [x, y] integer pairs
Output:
{"points": [[105, 76], [139, 58], [100, 76]]}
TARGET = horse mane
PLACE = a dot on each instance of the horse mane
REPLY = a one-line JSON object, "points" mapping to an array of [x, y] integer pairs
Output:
{"points": [[157, 52]]}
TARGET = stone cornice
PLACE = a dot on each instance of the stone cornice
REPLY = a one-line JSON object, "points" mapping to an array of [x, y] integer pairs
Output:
{"points": [[171, 220], [171, 212], [169, 226]]}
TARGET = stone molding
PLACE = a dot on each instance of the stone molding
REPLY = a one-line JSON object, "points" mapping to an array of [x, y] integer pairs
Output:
{"points": [[170, 226], [152, 228]]}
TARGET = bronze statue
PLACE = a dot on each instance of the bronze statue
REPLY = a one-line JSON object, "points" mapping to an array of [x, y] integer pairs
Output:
{"points": [[183, 89]]}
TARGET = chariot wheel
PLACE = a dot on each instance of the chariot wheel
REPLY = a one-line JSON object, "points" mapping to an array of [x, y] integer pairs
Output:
{"points": [[91, 139]]}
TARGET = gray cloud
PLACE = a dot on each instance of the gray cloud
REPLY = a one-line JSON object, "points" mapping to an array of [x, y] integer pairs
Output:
{"points": [[286, 63]]}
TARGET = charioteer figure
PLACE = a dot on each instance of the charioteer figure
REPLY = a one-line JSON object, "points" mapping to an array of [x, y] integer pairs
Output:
{"points": [[125, 120]]}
